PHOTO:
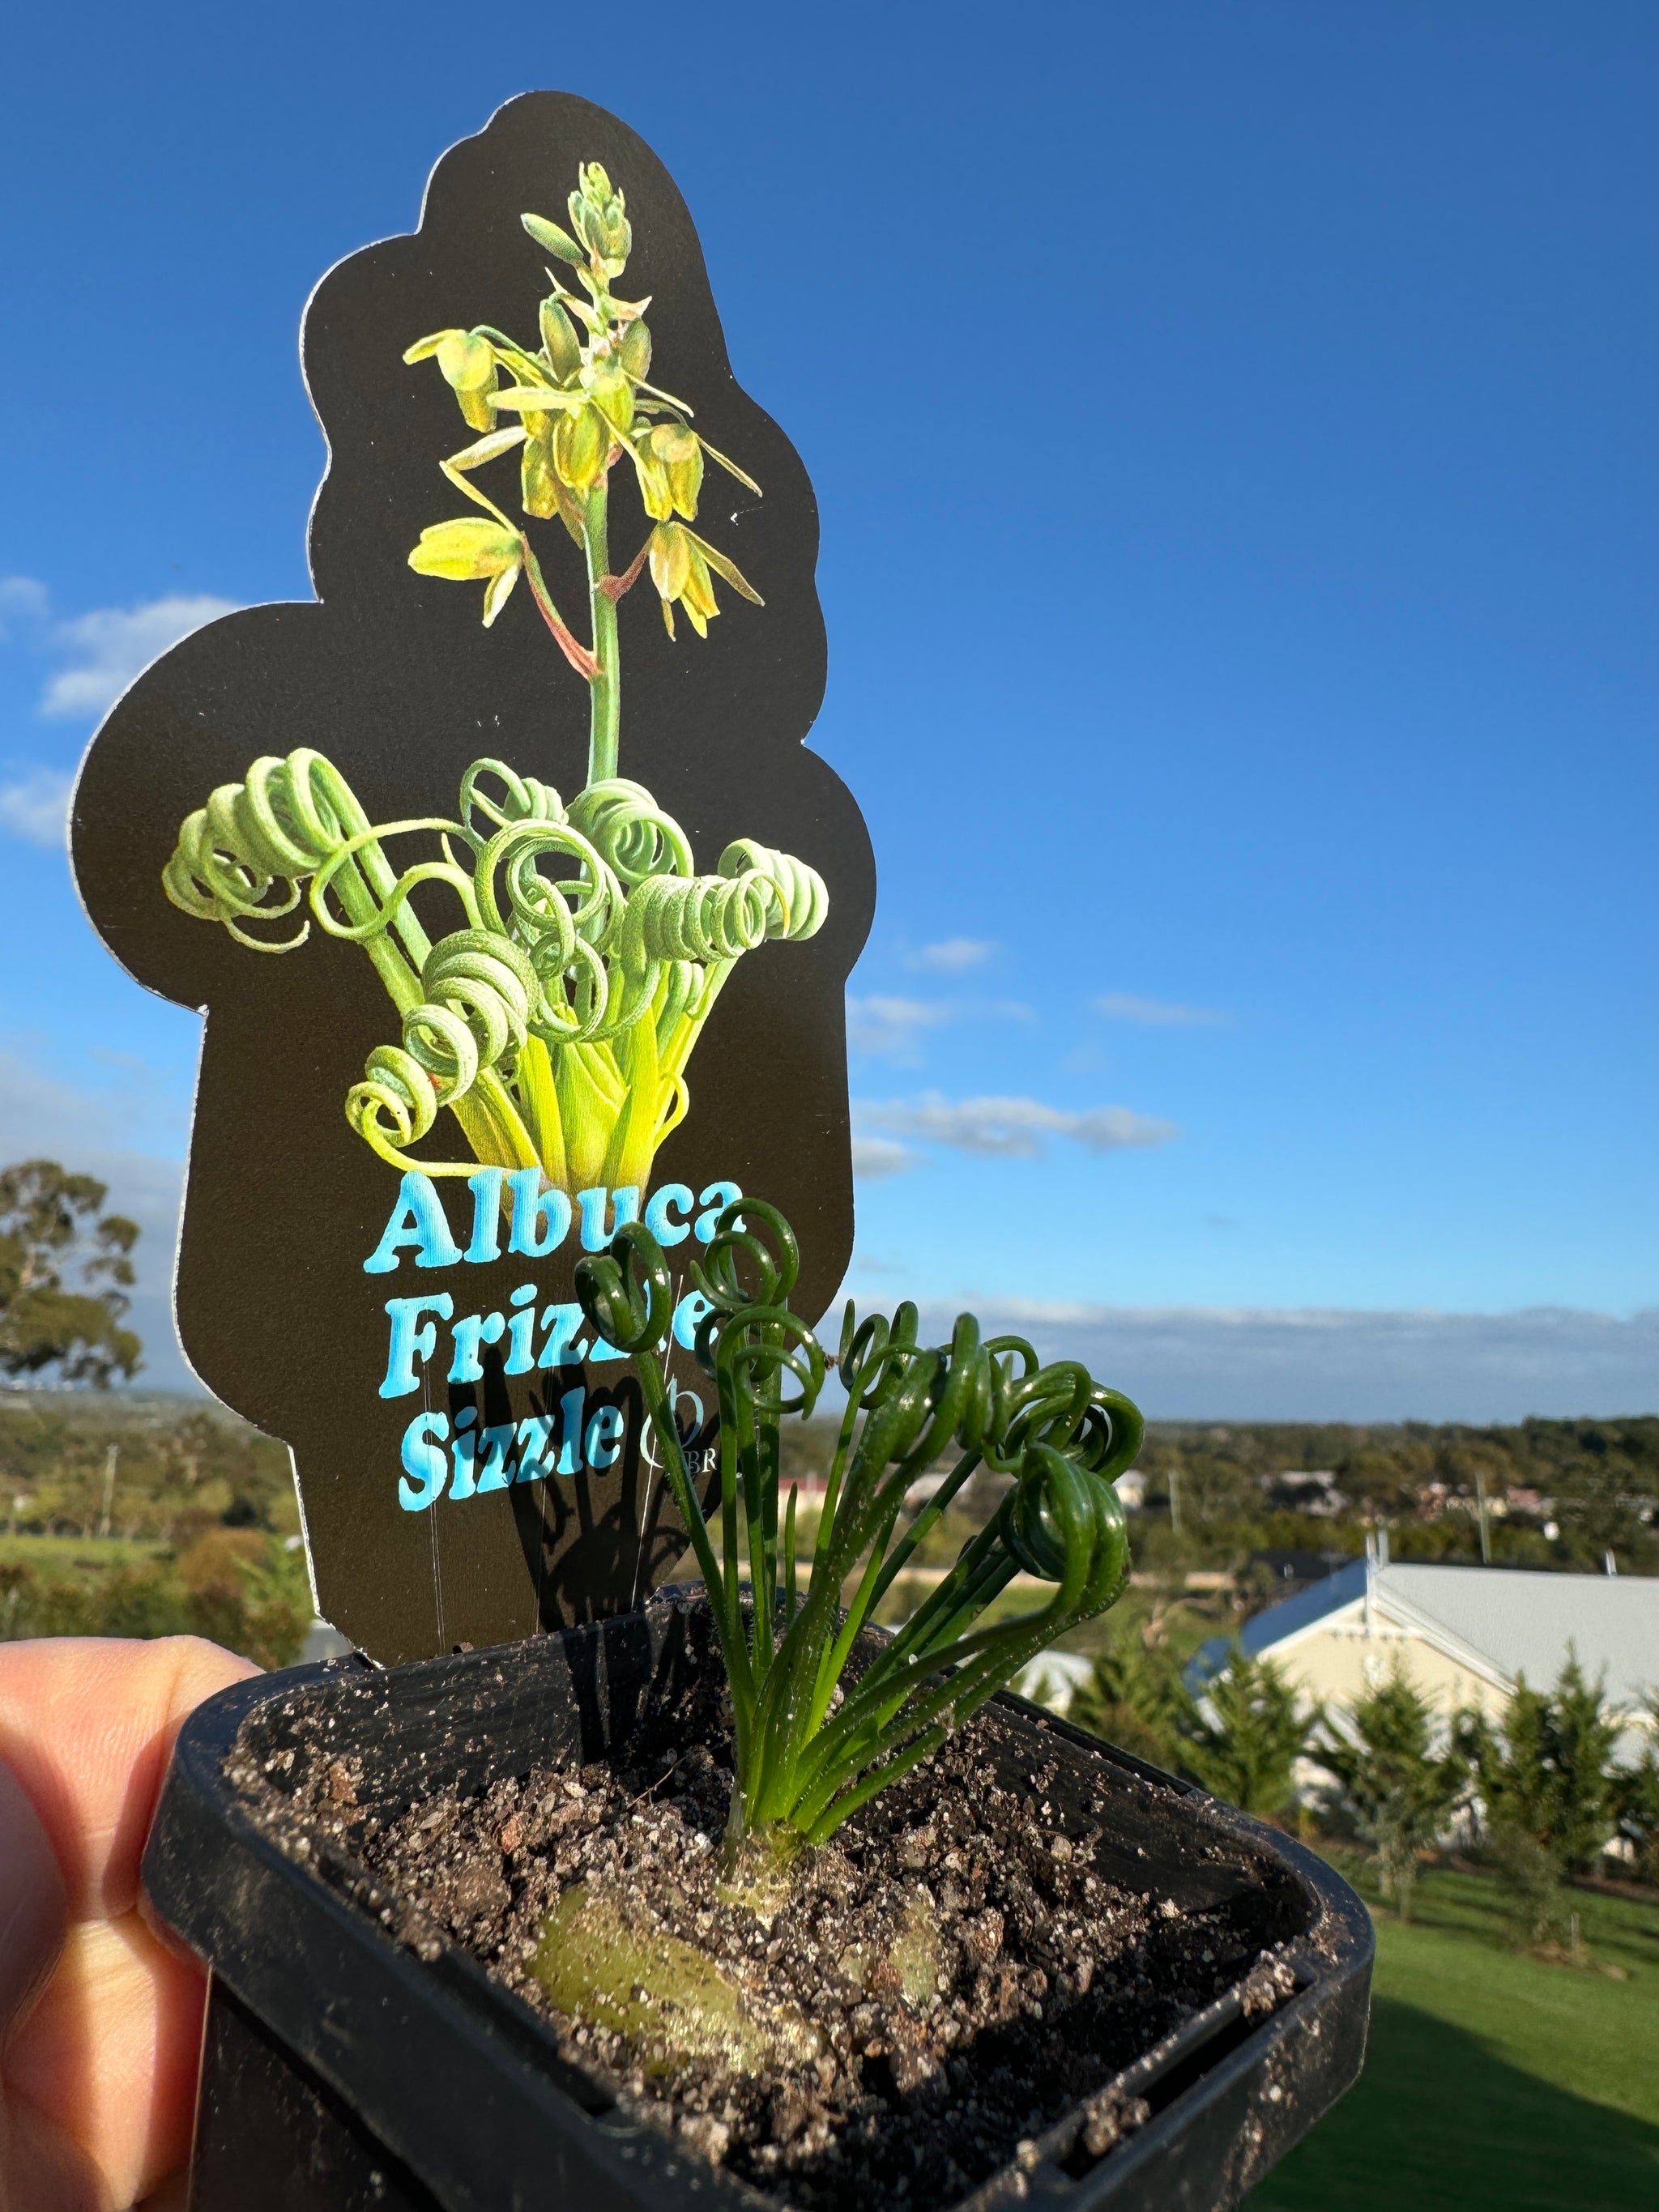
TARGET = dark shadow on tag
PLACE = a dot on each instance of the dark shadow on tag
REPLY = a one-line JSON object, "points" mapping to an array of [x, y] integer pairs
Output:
{"points": [[617, 1533]]}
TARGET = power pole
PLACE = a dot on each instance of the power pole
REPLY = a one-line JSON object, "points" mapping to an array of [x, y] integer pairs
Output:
{"points": [[110, 1459], [1486, 1517]]}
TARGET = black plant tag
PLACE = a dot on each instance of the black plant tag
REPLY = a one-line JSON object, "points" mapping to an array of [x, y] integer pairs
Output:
{"points": [[577, 905]]}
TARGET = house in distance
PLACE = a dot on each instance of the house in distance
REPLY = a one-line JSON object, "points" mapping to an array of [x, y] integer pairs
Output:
{"points": [[1461, 1636]]}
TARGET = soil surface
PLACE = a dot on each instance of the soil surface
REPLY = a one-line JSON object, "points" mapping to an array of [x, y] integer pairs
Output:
{"points": [[942, 1982]]}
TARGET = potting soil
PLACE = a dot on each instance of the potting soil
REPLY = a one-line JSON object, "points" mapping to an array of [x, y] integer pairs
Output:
{"points": [[941, 1982]]}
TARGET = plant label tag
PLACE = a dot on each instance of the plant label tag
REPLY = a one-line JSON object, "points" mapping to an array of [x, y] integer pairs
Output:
{"points": [[514, 904]]}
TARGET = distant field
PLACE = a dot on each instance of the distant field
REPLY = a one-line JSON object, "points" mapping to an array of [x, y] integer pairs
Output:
{"points": [[240, 1587], [1494, 2079], [64, 1555]]}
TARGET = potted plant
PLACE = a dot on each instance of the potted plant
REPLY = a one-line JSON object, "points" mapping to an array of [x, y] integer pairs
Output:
{"points": [[723, 1892], [731, 1895]]}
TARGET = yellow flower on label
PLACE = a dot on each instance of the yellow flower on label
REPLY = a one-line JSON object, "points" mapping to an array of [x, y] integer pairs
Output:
{"points": [[538, 484], [684, 568], [471, 550], [613, 394], [581, 443], [468, 363], [470, 547], [655, 494], [636, 349], [559, 340]]}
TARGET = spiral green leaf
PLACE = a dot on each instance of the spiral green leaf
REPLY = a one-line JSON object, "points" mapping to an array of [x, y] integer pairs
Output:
{"points": [[803, 1763], [556, 1020]]}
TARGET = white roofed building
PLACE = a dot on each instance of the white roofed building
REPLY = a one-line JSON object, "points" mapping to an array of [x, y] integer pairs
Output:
{"points": [[1053, 1678], [1461, 1635]]}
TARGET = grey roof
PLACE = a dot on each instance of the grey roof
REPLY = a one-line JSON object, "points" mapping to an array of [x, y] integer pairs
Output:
{"points": [[1520, 1622], [1525, 1623]]}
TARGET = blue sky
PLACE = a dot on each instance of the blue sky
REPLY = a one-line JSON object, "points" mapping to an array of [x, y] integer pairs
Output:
{"points": [[1234, 434]]}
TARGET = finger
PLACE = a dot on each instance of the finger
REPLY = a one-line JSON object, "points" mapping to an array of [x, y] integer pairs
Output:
{"points": [[100, 2086], [87, 1724], [106, 2072], [33, 1903]]}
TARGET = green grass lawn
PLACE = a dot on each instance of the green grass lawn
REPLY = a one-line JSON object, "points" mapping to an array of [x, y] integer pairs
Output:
{"points": [[1494, 2079]]}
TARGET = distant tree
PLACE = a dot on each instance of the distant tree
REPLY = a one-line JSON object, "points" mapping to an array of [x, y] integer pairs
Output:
{"points": [[254, 1597], [1548, 1789], [1242, 1740], [1384, 1478], [52, 1229], [1546, 1770], [1398, 1790], [1529, 1878], [1135, 1700], [275, 1604], [1598, 1473]]}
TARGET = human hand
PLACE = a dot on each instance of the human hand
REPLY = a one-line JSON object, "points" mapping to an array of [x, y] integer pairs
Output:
{"points": [[100, 2021]]}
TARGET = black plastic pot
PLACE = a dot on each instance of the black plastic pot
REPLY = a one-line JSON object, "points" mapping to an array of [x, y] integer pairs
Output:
{"points": [[342, 2071]]}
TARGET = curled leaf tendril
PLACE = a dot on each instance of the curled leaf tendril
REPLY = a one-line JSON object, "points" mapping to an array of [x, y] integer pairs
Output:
{"points": [[805, 1763], [589, 957]]}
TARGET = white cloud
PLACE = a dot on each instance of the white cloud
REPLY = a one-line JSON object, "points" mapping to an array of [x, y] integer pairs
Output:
{"points": [[1006, 1128], [892, 1029], [108, 646], [953, 955], [22, 601], [35, 806], [1323, 1364], [873, 1263], [1113, 1128], [875, 1157], [1154, 1014], [102, 651]]}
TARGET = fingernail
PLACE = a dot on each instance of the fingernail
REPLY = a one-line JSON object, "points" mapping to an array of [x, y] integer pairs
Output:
{"points": [[33, 1903]]}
